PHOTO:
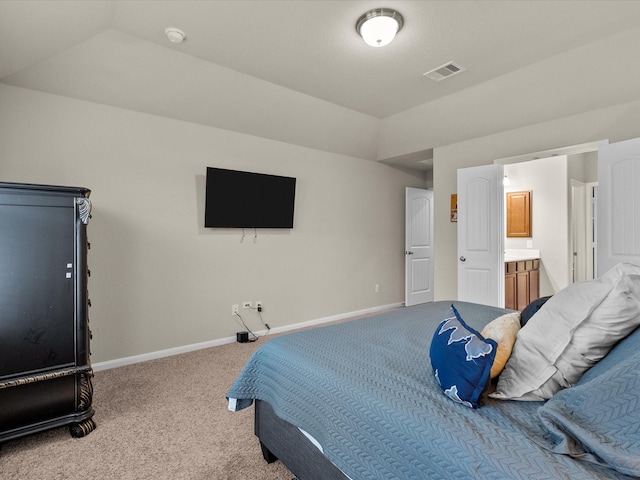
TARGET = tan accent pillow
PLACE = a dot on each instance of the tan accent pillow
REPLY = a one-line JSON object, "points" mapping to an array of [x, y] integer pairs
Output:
{"points": [[503, 330]]}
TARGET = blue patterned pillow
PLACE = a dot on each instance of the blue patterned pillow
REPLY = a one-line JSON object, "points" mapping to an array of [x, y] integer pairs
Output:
{"points": [[461, 359]]}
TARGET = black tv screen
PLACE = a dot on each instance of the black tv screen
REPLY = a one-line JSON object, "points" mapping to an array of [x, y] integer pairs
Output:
{"points": [[236, 199]]}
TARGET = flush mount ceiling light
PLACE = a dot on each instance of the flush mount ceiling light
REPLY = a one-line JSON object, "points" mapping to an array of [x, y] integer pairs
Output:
{"points": [[175, 35], [379, 26]]}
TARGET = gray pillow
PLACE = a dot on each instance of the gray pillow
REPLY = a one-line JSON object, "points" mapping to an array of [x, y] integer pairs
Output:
{"points": [[572, 331]]}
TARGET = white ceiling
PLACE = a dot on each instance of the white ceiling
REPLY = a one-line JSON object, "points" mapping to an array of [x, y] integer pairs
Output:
{"points": [[115, 51]]}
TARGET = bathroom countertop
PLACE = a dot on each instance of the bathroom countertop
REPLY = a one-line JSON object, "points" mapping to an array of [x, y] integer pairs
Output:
{"points": [[518, 255]]}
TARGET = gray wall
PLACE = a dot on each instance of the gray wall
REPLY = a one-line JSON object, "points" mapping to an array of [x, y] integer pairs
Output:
{"points": [[159, 279]]}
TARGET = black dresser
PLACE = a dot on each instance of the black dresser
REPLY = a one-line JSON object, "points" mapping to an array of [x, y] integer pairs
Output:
{"points": [[45, 368]]}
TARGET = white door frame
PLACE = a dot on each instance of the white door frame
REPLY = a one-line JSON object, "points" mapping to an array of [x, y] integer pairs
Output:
{"points": [[592, 228], [577, 232]]}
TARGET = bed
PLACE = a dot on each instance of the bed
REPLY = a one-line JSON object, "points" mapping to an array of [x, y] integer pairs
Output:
{"points": [[359, 400]]}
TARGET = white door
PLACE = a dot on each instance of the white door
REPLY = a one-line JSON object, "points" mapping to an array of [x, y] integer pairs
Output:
{"points": [[618, 204], [480, 235], [418, 246]]}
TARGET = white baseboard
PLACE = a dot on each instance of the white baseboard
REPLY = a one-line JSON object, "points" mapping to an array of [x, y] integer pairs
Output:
{"points": [[121, 362]]}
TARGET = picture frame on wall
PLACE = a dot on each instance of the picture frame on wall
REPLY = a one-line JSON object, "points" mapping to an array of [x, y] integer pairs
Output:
{"points": [[454, 208]]}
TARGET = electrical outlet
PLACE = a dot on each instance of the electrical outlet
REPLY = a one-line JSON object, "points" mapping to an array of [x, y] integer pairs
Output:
{"points": [[246, 305], [259, 305], [234, 309], [377, 288]]}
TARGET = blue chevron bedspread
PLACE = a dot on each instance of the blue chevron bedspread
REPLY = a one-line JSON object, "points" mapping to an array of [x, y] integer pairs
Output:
{"points": [[366, 392]]}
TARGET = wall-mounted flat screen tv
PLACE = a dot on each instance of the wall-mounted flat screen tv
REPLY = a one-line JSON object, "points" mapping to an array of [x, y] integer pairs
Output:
{"points": [[236, 199]]}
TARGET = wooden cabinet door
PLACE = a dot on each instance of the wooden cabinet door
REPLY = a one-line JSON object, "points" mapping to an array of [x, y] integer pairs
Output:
{"points": [[37, 330], [518, 214], [522, 290], [534, 285], [510, 291], [522, 283]]}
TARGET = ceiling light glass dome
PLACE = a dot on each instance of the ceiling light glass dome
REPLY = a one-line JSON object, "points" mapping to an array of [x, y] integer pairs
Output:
{"points": [[378, 27]]}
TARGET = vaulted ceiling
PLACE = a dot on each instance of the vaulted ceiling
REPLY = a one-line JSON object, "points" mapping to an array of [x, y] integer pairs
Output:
{"points": [[265, 56]]}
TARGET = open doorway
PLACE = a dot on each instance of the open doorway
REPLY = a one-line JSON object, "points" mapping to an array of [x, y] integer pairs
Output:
{"points": [[563, 187]]}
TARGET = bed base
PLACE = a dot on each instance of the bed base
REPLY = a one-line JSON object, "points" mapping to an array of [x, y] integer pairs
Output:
{"points": [[282, 441]]}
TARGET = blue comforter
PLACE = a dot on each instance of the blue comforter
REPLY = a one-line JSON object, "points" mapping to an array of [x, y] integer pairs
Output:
{"points": [[365, 391]]}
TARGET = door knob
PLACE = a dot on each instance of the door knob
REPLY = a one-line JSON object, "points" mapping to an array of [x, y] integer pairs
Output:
{"points": [[408, 252], [462, 259]]}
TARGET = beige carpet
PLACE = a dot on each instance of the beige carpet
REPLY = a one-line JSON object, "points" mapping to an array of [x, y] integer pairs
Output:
{"points": [[162, 419]]}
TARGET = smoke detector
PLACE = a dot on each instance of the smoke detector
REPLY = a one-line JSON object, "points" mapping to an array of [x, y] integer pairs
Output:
{"points": [[175, 35], [444, 71]]}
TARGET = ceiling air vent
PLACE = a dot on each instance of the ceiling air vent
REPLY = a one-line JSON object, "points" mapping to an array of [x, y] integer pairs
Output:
{"points": [[444, 71]]}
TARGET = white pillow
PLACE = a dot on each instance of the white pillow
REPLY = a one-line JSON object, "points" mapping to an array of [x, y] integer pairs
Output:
{"points": [[573, 330]]}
